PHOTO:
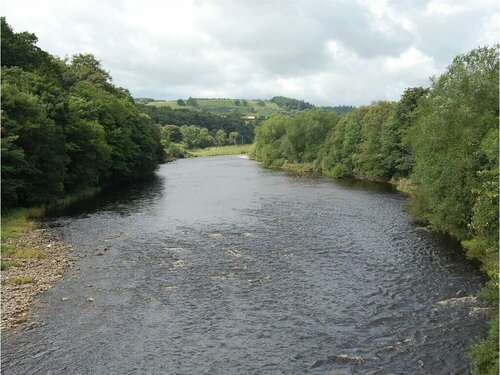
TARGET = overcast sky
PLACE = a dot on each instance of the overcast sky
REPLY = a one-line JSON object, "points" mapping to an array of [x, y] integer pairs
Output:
{"points": [[326, 52]]}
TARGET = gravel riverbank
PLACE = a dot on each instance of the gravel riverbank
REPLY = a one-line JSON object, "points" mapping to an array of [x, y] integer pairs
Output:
{"points": [[30, 276]]}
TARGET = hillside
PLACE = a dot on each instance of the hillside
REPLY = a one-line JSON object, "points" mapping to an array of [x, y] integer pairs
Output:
{"points": [[226, 106], [221, 106]]}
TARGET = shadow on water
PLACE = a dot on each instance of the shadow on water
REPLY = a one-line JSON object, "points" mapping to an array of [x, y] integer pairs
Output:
{"points": [[124, 198], [343, 183]]}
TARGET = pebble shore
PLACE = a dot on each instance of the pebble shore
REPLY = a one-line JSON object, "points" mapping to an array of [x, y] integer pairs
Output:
{"points": [[43, 272]]}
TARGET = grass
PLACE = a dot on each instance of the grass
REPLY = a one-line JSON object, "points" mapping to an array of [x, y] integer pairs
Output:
{"points": [[299, 167], [224, 106], [223, 150], [16, 222], [7, 263], [18, 281], [27, 253]]}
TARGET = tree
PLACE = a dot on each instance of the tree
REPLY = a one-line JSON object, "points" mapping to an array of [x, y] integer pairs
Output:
{"points": [[191, 101], [396, 134], [172, 133], [237, 102], [456, 116], [233, 137], [65, 127], [181, 102], [244, 102], [19, 49], [220, 138]]}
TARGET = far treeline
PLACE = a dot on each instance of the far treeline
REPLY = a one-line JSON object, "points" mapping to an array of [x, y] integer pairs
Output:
{"points": [[209, 121], [441, 142], [65, 128]]}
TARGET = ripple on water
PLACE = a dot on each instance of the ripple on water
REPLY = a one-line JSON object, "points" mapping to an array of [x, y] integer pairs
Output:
{"points": [[219, 266]]}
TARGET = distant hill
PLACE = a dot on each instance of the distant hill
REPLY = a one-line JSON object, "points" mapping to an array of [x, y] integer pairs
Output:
{"points": [[221, 106], [290, 104], [243, 107]]}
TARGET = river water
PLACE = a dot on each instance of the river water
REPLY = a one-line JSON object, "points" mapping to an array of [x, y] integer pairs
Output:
{"points": [[219, 266]]}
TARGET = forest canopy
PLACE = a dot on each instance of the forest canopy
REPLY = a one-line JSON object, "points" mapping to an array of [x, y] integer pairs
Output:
{"points": [[65, 127]]}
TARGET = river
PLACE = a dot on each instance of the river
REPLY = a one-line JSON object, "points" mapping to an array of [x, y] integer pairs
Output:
{"points": [[219, 266]]}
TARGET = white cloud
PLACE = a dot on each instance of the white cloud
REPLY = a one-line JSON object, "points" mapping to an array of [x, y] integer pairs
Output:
{"points": [[326, 52]]}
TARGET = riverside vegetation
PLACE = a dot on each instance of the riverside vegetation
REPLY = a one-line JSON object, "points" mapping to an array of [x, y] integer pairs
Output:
{"points": [[67, 131], [443, 139]]}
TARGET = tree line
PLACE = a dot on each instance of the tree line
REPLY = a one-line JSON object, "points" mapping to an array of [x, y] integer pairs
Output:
{"points": [[442, 141], [177, 140], [212, 122], [65, 127]]}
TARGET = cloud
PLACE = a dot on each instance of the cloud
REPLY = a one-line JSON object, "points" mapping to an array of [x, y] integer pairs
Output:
{"points": [[326, 52]]}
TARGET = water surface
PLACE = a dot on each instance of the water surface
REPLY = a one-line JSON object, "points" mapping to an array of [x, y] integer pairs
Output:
{"points": [[218, 266]]}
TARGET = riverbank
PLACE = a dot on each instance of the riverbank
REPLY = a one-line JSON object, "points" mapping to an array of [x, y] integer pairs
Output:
{"points": [[33, 259], [403, 185], [223, 150]]}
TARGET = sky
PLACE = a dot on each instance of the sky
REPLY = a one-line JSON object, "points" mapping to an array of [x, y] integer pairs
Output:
{"points": [[329, 52]]}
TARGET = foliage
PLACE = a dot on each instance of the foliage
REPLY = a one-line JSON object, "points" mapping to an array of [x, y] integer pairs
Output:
{"points": [[290, 104], [295, 139], [212, 122], [485, 353], [445, 139], [196, 137], [192, 102], [340, 109], [224, 150], [65, 127], [455, 118], [233, 137]]}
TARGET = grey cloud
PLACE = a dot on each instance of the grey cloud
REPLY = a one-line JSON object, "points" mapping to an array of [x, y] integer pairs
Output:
{"points": [[261, 48]]}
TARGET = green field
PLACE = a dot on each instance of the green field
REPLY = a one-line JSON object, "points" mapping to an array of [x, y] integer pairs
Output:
{"points": [[224, 150], [224, 106]]}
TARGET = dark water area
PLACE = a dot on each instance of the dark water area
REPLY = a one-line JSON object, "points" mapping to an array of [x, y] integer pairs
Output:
{"points": [[219, 266]]}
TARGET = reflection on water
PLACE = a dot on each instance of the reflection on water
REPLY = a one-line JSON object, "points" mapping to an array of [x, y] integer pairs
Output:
{"points": [[217, 265]]}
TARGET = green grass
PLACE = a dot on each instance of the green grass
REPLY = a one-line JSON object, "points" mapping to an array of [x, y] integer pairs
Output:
{"points": [[16, 222], [224, 150], [7, 263], [18, 281], [224, 106]]}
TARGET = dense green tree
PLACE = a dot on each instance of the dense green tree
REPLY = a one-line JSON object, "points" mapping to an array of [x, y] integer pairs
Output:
{"points": [[220, 138], [196, 137], [396, 134], [460, 110], [341, 144], [19, 49], [290, 104], [369, 160], [233, 137], [268, 139], [172, 133], [213, 122], [65, 127], [181, 102], [192, 102]]}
